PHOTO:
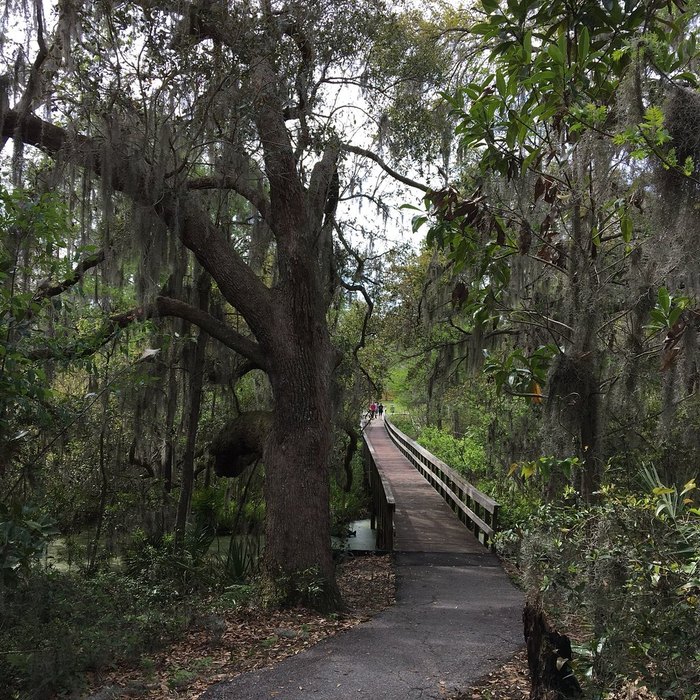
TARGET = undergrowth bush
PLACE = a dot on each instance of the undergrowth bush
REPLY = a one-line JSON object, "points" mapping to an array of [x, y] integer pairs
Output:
{"points": [[464, 454], [57, 626], [518, 501], [625, 580], [154, 561], [214, 512]]}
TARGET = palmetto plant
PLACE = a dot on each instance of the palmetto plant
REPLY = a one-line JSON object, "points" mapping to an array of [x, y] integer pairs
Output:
{"points": [[669, 500]]}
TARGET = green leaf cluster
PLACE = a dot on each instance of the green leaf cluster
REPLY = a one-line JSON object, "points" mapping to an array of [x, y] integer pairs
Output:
{"points": [[518, 371], [667, 311], [626, 576], [24, 534]]}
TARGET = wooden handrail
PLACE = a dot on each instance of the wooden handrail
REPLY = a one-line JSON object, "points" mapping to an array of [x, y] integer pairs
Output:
{"points": [[382, 503], [475, 509]]}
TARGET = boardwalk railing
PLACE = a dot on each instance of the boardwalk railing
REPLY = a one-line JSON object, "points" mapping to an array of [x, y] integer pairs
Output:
{"points": [[475, 509], [383, 504]]}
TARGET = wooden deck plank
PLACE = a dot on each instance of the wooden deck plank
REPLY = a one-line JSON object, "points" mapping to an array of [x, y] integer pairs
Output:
{"points": [[423, 521]]}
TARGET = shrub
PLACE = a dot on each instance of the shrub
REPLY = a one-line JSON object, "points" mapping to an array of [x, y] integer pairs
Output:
{"points": [[626, 579], [24, 535], [58, 625]]}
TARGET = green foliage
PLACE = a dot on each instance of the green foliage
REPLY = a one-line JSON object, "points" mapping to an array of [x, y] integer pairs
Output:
{"points": [[554, 73], [209, 508], [521, 373], [626, 579], [518, 501], [667, 311], [234, 596], [181, 677], [196, 567], [406, 47], [36, 223], [234, 559], [153, 560], [562, 66], [41, 218], [464, 454], [567, 96], [58, 626], [243, 558], [545, 467], [670, 502], [24, 534], [647, 138]]}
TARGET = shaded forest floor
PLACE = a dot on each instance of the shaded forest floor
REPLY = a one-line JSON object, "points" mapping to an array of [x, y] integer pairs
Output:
{"points": [[223, 644], [220, 646]]}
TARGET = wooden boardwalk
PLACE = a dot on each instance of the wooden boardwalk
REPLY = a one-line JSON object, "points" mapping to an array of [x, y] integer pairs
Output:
{"points": [[423, 521]]}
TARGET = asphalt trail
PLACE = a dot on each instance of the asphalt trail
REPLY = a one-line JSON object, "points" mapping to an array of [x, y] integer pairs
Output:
{"points": [[455, 618]]}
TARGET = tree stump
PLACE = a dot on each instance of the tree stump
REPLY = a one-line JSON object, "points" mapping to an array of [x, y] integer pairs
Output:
{"points": [[548, 658]]}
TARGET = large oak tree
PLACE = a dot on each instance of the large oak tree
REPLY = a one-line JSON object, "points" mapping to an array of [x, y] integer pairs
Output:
{"points": [[189, 113]]}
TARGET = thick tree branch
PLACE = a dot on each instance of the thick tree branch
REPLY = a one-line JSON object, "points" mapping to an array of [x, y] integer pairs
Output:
{"points": [[84, 347], [320, 184], [247, 181], [238, 183], [46, 292], [167, 306], [286, 191], [386, 168], [304, 75], [368, 315], [130, 174], [161, 308], [34, 83]]}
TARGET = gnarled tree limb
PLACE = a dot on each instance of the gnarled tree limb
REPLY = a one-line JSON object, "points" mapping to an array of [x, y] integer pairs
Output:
{"points": [[130, 174], [48, 291], [167, 306], [385, 167]]}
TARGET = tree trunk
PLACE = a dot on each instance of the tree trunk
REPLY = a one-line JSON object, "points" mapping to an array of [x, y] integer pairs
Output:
{"points": [[298, 559], [104, 479], [95, 544], [548, 658], [196, 383], [167, 459]]}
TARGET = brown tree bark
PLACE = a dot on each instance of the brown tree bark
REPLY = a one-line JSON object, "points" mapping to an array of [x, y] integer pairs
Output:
{"points": [[291, 340], [297, 486], [548, 658]]}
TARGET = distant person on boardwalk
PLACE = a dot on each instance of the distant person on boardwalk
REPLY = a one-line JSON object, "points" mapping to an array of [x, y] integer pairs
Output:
{"points": [[372, 410], [380, 409]]}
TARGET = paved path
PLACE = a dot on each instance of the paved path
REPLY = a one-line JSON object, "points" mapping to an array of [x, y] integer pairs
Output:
{"points": [[456, 617]]}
